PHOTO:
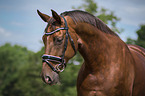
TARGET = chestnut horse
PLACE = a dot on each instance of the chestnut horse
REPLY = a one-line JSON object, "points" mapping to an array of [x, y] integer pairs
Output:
{"points": [[110, 68]]}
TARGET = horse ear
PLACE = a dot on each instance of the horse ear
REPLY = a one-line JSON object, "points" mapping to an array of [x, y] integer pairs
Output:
{"points": [[44, 17], [56, 16]]}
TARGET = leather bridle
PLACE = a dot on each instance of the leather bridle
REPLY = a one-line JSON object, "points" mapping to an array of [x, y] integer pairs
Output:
{"points": [[60, 60]]}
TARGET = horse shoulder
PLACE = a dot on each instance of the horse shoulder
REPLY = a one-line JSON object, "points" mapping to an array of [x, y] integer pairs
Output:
{"points": [[138, 54]]}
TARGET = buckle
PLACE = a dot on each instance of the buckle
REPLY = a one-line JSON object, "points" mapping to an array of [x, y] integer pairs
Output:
{"points": [[60, 67]]}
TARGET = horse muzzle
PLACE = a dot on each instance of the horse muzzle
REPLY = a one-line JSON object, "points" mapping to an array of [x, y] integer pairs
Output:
{"points": [[49, 76]]}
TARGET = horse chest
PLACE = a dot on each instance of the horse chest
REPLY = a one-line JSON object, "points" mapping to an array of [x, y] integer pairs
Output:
{"points": [[89, 86], [96, 85]]}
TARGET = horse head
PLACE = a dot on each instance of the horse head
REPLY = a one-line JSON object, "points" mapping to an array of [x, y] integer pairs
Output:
{"points": [[60, 41]]}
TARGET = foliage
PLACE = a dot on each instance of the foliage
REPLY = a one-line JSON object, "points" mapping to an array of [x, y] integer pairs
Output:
{"points": [[141, 37], [20, 74], [130, 41], [105, 15]]}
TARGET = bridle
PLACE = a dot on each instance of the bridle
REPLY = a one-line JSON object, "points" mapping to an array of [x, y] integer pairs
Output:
{"points": [[60, 60]]}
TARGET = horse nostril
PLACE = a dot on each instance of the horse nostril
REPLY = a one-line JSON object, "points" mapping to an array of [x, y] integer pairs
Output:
{"points": [[48, 80]]}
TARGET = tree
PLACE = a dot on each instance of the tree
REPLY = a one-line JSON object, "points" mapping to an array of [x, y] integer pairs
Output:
{"points": [[105, 15], [141, 37], [12, 60], [20, 74]]}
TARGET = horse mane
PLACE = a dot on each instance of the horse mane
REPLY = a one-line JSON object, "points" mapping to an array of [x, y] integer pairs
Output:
{"points": [[82, 16]]}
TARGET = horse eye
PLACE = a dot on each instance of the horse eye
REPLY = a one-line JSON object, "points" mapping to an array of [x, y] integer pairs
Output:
{"points": [[58, 40]]}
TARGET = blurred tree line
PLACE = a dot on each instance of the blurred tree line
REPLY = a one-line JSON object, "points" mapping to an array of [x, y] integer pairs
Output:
{"points": [[141, 37], [20, 68], [20, 74]]}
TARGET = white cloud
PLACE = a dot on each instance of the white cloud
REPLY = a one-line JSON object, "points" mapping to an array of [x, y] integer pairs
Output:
{"points": [[4, 32]]}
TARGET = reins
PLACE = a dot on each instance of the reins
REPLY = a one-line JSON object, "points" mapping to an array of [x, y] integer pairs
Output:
{"points": [[60, 60]]}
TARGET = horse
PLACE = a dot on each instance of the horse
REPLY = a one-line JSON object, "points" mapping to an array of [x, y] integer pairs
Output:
{"points": [[110, 68]]}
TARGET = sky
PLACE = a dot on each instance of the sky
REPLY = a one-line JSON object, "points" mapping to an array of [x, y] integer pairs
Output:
{"points": [[20, 24]]}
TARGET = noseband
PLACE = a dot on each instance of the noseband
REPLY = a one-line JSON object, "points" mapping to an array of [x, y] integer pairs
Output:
{"points": [[60, 60]]}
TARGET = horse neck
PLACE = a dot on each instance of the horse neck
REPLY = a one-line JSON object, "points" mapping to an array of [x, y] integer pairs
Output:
{"points": [[96, 47]]}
